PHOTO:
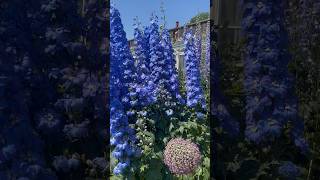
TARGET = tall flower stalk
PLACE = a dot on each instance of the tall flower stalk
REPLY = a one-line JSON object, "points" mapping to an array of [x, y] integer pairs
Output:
{"points": [[158, 66], [157, 62], [271, 103], [146, 33], [173, 81], [122, 135], [126, 62], [193, 82], [197, 42], [207, 57], [144, 84]]}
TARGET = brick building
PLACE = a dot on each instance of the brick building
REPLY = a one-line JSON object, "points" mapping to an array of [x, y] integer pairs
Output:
{"points": [[176, 35], [226, 16]]}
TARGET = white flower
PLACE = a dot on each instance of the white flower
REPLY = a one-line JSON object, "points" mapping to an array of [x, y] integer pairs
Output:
{"points": [[169, 112], [143, 113]]}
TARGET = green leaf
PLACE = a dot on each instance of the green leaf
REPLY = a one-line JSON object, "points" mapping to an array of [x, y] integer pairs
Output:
{"points": [[144, 167], [171, 126]]}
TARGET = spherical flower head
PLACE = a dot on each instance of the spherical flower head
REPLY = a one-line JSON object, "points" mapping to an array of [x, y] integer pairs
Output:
{"points": [[289, 170], [181, 156]]}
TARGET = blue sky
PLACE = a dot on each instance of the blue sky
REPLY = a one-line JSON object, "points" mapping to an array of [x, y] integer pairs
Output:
{"points": [[175, 10]]}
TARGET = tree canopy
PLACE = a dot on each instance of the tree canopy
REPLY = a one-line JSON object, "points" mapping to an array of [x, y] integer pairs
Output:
{"points": [[199, 17]]}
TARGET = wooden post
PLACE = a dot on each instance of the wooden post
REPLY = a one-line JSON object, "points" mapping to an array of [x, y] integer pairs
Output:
{"points": [[226, 15]]}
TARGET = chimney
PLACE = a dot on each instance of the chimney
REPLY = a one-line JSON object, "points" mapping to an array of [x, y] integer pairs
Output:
{"points": [[177, 24]]}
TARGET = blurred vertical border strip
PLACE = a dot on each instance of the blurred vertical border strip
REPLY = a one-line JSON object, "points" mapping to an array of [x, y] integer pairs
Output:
{"points": [[107, 71], [212, 132]]}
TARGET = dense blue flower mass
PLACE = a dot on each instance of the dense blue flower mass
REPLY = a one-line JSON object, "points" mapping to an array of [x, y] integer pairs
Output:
{"points": [[198, 42], [50, 80], [141, 52], [146, 33], [195, 94], [159, 75], [123, 136], [122, 56], [207, 57], [271, 103], [172, 81], [21, 147], [145, 86]]}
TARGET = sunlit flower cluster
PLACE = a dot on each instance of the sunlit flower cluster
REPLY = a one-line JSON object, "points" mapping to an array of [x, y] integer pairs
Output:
{"points": [[195, 94], [123, 136]]}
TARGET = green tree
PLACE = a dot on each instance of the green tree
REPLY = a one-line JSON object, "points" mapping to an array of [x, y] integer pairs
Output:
{"points": [[199, 17]]}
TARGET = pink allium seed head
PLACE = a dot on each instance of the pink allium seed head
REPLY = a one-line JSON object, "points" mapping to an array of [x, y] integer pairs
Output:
{"points": [[181, 156]]}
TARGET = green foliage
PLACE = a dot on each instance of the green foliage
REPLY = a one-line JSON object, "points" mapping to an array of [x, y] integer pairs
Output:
{"points": [[155, 127], [305, 68], [199, 17], [236, 158], [232, 78]]}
